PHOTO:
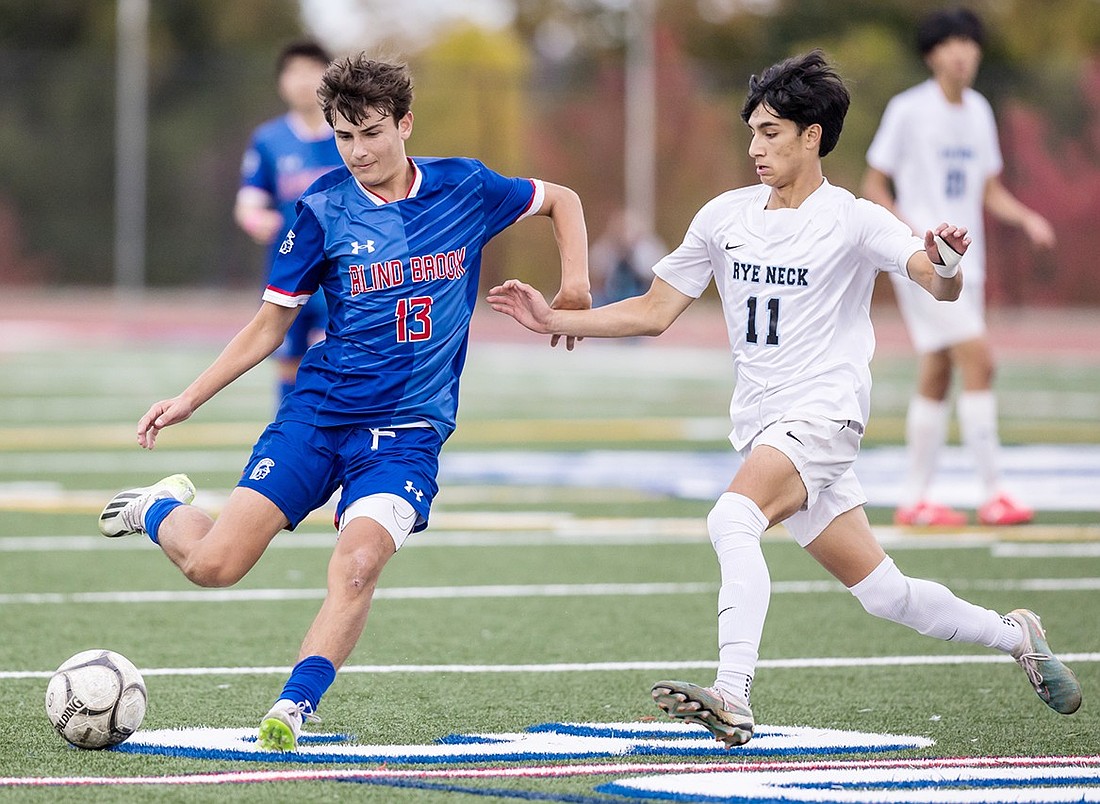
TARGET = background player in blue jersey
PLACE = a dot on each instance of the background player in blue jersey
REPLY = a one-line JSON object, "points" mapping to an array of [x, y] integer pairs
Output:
{"points": [[284, 157], [396, 245]]}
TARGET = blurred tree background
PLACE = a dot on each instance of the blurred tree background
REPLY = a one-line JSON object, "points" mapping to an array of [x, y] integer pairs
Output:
{"points": [[532, 87]]}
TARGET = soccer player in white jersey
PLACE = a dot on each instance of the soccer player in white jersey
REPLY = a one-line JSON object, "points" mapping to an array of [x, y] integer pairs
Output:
{"points": [[937, 145], [396, 245], [794, 260]]}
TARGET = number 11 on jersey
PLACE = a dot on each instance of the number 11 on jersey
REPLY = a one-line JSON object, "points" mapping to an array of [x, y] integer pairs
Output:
{"points": [[773, 322]]}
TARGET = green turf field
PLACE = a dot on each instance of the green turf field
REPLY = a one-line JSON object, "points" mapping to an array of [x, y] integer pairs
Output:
{"points": [[521, 605]]}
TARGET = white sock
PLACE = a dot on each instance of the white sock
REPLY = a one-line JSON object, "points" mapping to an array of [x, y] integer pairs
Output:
{"points": [[736, 524], [978, 426], [925, 436], [932, 609]]}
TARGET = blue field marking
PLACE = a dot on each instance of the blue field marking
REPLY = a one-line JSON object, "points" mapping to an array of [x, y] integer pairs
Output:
{"points": [[543, 742], [977, 780]]}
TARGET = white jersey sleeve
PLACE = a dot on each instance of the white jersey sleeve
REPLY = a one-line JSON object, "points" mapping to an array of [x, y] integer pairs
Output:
{"points": [[690, 267], [887, 242], [885, 152]]}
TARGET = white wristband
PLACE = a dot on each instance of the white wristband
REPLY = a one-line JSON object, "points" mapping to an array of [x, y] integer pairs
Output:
{"points": [[950, 257]]}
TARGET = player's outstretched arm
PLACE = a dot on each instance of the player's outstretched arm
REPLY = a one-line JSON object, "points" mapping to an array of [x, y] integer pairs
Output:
{"points": [[649, 314], [563, 206], [1004, 206], [936, 269], [259, 338], [253, 213]]}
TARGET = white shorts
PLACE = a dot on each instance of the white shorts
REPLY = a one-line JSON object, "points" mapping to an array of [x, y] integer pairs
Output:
{"points": [[934, 325], [822, 451]]}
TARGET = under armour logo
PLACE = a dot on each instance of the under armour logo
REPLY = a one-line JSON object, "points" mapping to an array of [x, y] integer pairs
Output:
{"points": [[262, 469], [356, 246], [413, 490]]}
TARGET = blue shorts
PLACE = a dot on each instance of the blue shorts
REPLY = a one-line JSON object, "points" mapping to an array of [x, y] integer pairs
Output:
{"points": [[300, 466], [311, 320]]}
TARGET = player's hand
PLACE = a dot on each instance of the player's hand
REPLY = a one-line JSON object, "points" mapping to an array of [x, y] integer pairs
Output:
{"points": [[161, 415], [523, 303], [955, 237], [1039, 231], [262, 225], [570, 301]]}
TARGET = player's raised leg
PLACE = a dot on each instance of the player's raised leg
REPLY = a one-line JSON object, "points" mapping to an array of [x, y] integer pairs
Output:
{"points": [[124, 515], [208, 552], [849, 551]]}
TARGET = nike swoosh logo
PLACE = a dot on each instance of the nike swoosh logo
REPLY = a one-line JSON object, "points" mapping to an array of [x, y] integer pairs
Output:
{"points": [[796, 438], [731, 248]]}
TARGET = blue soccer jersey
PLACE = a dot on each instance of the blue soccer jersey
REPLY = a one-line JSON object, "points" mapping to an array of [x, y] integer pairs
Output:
{"points": [[284, 164], [401, 281]]}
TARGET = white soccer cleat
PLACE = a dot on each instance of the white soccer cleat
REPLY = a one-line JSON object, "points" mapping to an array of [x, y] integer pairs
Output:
{"points": [[125, 513], [728, 719], [282, 725], [1052, 681]]}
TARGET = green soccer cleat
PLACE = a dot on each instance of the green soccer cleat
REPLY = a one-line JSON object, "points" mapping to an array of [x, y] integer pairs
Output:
{"points": [[728, 719], [1053, 681], [282, 726], [125, 513]]}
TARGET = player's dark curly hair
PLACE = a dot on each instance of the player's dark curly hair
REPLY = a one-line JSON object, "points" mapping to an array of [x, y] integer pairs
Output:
{"points": [[805, 90], [354, 85], [940, 26]]}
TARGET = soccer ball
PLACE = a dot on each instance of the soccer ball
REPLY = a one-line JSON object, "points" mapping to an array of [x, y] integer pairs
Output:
{"points": [[96, 699]]}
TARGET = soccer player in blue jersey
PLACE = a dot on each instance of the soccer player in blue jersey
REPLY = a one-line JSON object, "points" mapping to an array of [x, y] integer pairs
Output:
{"points": [[285, 156], [395, 243]]}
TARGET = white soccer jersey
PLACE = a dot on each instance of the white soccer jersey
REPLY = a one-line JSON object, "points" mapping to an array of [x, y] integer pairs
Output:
{"points": [[796, 292], [940, 156]]}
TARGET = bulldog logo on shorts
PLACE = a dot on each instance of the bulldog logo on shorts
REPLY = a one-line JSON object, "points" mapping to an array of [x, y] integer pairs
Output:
{"points": [[262, 469]]}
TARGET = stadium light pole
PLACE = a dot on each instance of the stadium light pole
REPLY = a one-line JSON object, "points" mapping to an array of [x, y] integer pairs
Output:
{"points": [[131, 130], [640, 147]]}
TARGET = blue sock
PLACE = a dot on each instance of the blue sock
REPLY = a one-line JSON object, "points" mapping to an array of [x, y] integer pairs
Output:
{"points": [[308, 681], [156, 513]]}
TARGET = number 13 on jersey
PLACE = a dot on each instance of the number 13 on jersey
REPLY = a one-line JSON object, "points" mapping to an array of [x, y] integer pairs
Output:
{"points": [[414, 319]]}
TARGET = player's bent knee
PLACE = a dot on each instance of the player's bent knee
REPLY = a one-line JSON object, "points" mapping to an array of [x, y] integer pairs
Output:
{"points": [[393, 513], [884, 592], [211, 574]]}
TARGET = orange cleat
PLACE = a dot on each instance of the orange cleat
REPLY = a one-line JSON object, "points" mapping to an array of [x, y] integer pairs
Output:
{"points": [[929, 514], [1003, 510]]}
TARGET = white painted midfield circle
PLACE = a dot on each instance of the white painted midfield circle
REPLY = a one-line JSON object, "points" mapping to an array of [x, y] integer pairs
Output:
{"points": [[557, 740]]}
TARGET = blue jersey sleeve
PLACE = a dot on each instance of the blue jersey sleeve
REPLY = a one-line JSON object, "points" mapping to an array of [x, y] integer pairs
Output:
{"points": [[506, 200], [257, 169], [300, 262]]}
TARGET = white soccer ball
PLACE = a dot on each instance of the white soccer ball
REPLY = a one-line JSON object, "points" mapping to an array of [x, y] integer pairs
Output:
{"points": [[96, 699]]}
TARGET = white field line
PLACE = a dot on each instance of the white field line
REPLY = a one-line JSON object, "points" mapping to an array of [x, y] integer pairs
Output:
{"points": [[510, 591], [587, 667], [560, 530]]}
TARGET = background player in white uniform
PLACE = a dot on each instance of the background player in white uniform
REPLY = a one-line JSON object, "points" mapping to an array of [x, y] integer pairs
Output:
{"points": [[396, 244], [794, 261], [937, 142]]}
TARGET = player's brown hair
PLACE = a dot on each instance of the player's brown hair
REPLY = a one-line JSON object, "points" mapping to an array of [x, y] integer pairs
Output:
{"points": [[356, 84]]}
